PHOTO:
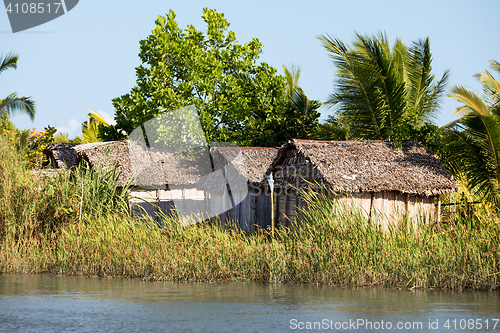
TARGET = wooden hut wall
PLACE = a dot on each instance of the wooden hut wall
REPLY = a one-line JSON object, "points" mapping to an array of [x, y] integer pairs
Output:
{"points": [[358, 201], [186, 200], [143, 204], [253, 211], [391, 207], [388, 208], [147, 201], [286, 207], [295, 171], [421, 207]]}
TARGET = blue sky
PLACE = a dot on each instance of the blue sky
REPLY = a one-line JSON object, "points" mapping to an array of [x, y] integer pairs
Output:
{"points": [[87, 57]]}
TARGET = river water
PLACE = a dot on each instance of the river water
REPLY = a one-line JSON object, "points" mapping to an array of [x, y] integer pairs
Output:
{"points": [[47, 303]]}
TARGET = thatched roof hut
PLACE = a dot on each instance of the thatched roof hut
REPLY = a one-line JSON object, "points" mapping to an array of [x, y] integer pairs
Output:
{"points": [[141, 166], [369, 174], [60, 155], [362, 166], [249, 166]]}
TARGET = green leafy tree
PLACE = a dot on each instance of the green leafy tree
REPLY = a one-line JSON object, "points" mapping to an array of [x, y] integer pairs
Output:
{"points": [[383, 93], [473, 141], [237, 99], [12, 103]]}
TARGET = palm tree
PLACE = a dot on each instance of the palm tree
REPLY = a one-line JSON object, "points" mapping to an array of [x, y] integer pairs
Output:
{"points": [[90, 128], [383, 93], [301, 113], [12, 103], [473, 141]]}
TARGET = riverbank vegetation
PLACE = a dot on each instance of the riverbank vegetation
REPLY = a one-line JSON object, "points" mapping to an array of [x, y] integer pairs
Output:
{"points": [[48, 226]]}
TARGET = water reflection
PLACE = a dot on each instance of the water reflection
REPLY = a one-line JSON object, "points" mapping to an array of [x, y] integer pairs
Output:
{"points": [[55, 303]]}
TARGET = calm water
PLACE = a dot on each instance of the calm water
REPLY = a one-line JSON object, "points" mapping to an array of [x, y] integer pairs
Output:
{"points": [[43, 303]]}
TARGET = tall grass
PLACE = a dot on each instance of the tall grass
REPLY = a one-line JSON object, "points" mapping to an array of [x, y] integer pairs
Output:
{"points": [[330, 244], [38, 204]]}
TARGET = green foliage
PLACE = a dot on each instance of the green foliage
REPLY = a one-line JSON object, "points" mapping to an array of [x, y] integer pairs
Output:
{"points": [[299, 118], [383, 93], [237, 99], [12, 103], [61, 137], [90, 128], [6, 124], [333, 130], [38, 203], [473, 141], [29, 204], [36, 143], [29, 143]]}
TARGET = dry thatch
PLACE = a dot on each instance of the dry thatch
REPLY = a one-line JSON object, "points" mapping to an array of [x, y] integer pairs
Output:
{"points": [[362, 166], [60, 155], [139, 165], [249, 167]]}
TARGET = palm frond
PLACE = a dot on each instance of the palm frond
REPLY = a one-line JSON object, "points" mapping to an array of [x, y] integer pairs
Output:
{"points": [[90, 131], [392, 96], [491, 87], [399, 55], [470, 99], [432, 98], [90, 127], [356, 96], [61, 137], [18, 105], [495, 65], [450, 125], [292, 74], [98, 117], [384, 93], [10, 61], [468, 158], [424, 96]]}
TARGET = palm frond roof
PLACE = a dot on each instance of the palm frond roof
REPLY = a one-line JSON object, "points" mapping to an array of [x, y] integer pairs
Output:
{"points": [[139, 165], [357, 166], [249, 166], [61, 153]]}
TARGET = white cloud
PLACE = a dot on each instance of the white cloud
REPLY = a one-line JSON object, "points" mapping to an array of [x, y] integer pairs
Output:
{"points": [[70, 129]]}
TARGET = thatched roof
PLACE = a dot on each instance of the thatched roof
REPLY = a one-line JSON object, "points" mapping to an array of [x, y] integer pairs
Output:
{"points": [[61, 155], [145, 167], [248, 167], [357, 166]]}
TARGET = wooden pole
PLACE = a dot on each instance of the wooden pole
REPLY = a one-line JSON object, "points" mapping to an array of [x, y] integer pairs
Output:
{"points": [[80, 217], [272, 213], [270, 180], [439, 209]]}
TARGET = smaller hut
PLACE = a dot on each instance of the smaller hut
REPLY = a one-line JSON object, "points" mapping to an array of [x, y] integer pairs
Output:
{"points": [[60, 155], [157, 178], [371, 175], [237, 193]]}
